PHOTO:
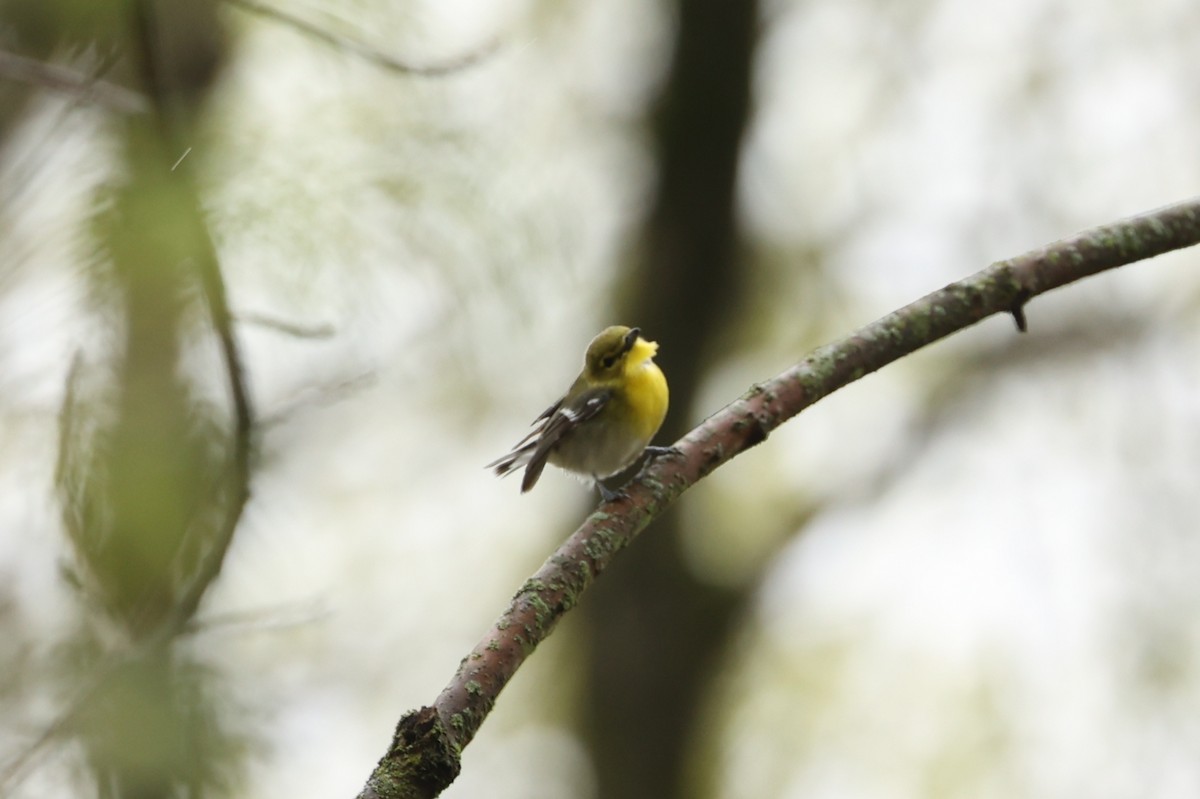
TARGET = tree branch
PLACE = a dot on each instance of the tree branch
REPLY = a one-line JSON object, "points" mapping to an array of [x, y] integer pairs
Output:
{"points": [[285, 327], [238, 478], [424, 755], [21, 69], [362, 50]]}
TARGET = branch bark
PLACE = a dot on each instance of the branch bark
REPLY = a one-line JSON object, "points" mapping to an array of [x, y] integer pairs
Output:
{"points": [[424, 754]]}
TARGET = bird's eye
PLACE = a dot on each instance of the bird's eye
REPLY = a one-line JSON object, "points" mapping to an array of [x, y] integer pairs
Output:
{"points": [[608, 362]]}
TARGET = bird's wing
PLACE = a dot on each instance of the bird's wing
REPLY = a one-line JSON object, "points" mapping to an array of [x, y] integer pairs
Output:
{"points": [[520, 452], [560, 419]]}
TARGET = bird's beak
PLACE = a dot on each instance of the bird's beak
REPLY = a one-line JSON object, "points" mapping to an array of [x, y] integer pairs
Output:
{"points": [[632, 338]]}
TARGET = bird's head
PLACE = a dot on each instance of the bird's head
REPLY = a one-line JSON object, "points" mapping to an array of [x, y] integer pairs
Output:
{"points": [[615, 349]]}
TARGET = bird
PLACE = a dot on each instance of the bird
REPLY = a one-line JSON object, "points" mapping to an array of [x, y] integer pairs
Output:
{"points": [[604, 422]]}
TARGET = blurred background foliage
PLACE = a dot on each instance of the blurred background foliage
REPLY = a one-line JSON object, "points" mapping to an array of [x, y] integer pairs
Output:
{"points": [[970, 575]]}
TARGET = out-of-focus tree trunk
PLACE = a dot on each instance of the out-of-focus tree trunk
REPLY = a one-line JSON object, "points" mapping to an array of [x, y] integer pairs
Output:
{"points": [[655, 630], [151, 478]]}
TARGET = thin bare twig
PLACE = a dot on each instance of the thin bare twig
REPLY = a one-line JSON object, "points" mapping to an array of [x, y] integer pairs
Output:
{"points": [[13, 772], [364, 51], [58, 78], [317, 396], [293, 329]]}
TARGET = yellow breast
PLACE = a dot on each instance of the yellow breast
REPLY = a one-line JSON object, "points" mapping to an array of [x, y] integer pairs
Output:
{"points": [[646, 389]]}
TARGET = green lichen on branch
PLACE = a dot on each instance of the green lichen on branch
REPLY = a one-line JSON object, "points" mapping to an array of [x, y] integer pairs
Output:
{"points": [[419, 764]]}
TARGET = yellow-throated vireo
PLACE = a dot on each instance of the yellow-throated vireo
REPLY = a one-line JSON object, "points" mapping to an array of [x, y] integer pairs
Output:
{"points": [[605, 421]]}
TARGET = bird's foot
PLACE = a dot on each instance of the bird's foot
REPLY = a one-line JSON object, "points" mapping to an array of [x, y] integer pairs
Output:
{"points": [[607, 494], [664, 452]]}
